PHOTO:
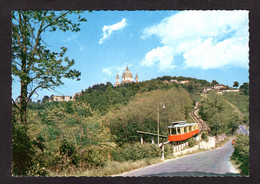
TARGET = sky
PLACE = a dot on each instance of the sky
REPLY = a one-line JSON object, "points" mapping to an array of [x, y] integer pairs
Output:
{"points": [[210, 45]]}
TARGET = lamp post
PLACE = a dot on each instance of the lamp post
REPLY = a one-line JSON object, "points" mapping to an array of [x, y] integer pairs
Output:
{"points": [[158, 125]]}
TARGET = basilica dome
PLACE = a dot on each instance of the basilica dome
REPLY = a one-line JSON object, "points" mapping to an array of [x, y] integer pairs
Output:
{"points": [[127, 73], [127, 76]]}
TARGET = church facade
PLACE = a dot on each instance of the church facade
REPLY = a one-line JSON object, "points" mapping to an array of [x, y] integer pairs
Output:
{"points": [[127, 77]]}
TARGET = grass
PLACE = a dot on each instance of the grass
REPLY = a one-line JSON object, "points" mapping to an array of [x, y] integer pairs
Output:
{"points": [[111, 168]]}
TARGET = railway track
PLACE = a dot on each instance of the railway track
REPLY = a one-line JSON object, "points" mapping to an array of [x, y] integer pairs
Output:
{"points": [[202, 125]]}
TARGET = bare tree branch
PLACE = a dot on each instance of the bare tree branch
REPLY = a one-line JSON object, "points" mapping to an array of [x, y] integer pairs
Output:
{"points": [[33, 91], [16, 105], [17, 63]]}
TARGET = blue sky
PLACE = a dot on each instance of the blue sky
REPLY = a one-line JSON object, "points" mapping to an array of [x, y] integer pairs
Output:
{"points": [[210, 45]]}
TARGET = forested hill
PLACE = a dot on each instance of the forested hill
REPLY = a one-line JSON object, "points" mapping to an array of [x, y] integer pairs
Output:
{"points": [[102, 97]]}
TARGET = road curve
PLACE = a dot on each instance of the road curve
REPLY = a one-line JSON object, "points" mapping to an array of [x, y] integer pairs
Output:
{"points": [[243, 130], [209, 163]]}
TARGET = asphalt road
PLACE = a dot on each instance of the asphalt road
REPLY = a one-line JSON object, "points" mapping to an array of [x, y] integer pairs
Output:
{"points": [[209, 163], [243, 130]]}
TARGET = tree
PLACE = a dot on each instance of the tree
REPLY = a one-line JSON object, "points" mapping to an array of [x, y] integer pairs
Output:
{"points": [[236, 84], [244, 88], [33, 62], [45, 99], [213, 82]]}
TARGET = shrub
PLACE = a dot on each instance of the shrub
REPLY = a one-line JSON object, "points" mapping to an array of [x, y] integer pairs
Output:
{"points": [[241, 153], [191, 142], [27, 155], [116, 155], [68, 151], [167, 150], [22, 151], [95, 156], [204, 136], [135, 152]]}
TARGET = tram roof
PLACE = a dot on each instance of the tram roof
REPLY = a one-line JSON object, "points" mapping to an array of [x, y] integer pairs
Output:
{"points": [[181, 125]]}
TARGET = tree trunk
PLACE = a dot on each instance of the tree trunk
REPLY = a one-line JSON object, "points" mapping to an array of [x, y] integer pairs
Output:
{"points": [[23, 112]]}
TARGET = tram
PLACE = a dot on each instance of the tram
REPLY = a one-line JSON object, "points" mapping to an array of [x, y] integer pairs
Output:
{"points": [[180, 130]]}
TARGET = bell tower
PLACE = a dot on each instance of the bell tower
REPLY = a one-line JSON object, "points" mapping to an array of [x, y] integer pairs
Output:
{"points": [[136, 78], [117, 81]]}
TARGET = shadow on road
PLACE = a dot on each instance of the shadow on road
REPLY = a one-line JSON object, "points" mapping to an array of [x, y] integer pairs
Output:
{"points": [[193, 174]]}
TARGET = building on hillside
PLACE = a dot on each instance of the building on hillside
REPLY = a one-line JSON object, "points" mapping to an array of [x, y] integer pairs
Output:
{"points": [[219, 86], [231, 90], [56, 98], [206, 89], [184, 82], [127, 78], [174, 81], [180, 82]]}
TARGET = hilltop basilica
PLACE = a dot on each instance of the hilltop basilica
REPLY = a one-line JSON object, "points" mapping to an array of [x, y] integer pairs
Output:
{"points": [[127, 77]]}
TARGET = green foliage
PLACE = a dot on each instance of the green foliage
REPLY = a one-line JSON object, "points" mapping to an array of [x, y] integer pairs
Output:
{"points": [[167, 150], [241, 153], [191, 141], [218, 114], [236, 84], [103, 97], [27, 154], [101, 124], [33, 62], [22, 149], [95, 156], [244, 88], [241, 102], [204, 136], [142, 114], [68, 151], [135, 152], [213, 82]]}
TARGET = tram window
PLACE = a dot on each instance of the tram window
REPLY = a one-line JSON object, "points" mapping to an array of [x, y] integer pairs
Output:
{"points": [[174, 131], [179, 130], [185, 129]]}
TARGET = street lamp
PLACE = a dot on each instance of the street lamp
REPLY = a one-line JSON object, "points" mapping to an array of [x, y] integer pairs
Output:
{"points": [[163, 106]]}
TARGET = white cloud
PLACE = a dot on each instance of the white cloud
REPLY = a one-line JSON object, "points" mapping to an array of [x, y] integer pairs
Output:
{"points": [[206, 39], [161, 55], [107, 30], [208, 55], [113, 70]]}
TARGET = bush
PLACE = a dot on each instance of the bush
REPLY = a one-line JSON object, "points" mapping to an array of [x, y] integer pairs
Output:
{"points": [[204, 136], [95, 156], [167, 150], [27, 155], [116, 155], [191, 141], [241, 153], [68, 151], [135, 152], [22, 151]]}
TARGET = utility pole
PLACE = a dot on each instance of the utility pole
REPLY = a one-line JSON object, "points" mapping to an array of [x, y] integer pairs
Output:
{"points": [[158, 125]]}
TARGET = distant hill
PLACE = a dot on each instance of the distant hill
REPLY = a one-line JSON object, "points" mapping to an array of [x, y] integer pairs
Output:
{"points": [[104, 96]]}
